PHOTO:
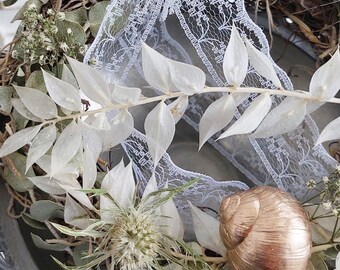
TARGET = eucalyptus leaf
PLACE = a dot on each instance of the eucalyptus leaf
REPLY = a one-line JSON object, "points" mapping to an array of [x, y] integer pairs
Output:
{"points": [[25, 7], [43, 210], [20, 107], [284, 118], [96, 15], [318, 262], [78, 35], [29, 220], [262, 64], [66, 147], [125, 95], [18, 140], [216, 117], [36, 81], [207, 231], [160, 130], [330, 132], [79, 254], [62, 93], [91, 82], [251, 118], [38, 103], [40, 243], [41, 144], [16, 177], [178, 107], [5, 98], [75, 215], [78, 15], [235, 61]]}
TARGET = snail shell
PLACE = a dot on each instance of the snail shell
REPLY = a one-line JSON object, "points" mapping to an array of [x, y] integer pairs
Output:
{"points": [[264, 228]]}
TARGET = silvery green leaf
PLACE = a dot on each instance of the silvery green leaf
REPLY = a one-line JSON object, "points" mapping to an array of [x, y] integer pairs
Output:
{"points": [[18, 140], [235, 61], [284, 118], [88, 232], [125, 95], [330, 132], [40, 243], [62, 93], [89, 169], [21, 109], [156, 69], [123, 122], [159, 129], [98, 121], [40, 144], [178, 107], [325, 82], [186, 78], [207, 231], [66, 147], [216, 117], [5, 98], [91, 82], [262, 64], [43, 210], [67, 76], [37, 102], [251, 118], [47, 184], [75, 215]]}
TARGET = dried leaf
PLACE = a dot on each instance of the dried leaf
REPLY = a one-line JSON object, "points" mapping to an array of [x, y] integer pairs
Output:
{"points": [[66, 147], [89, 169], [235, 61], [38, 103], [5, 98], [251, 118], [92, 141], [47, 184], [186, 78], [43, 210], [156, 70], [67, 76], [337, 262], [74, 189], [18, 140], [123, 122], [151, 186], [159, 129], [44, 245], [325, 82], [262, 64], [21, 109], [284, 118], [75, 215], [125, 95], [178, 107], [91, 82], [62, 93], [330, 132], [98, 121], [40, 144], [216, 117], [207, 231]]}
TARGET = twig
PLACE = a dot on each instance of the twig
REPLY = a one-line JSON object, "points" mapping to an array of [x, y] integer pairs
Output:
{"points": [[216, 260]]}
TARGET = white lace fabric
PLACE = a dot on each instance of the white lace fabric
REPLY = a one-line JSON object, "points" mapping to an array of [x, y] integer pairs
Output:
{"points": [[197, 32]]}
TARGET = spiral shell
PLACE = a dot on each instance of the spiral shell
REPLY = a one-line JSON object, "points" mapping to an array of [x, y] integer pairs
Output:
{"points": [[265, 228]]}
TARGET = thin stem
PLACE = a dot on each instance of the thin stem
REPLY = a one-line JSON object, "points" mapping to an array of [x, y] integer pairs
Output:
{"points": [[216, 260]]}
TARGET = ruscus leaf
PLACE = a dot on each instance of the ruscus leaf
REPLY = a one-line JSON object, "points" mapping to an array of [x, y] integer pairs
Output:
{"points": [[330, 132], [235, 61], [89, 169], [251, 118], [178, 107], [216, 117], [159, 129], [21, 109], [125, 95]]}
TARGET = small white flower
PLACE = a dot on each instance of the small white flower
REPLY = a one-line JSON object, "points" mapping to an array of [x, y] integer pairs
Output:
{"points": [[64, 46], [311, 184], [327, 205], [32, 7], [15, 54], [335, 212], [325, 179], [50, 12], [69, 31], [61, 16], [54, 29], [82, 49]]}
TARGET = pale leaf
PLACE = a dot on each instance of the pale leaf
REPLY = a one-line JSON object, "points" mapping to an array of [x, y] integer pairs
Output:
{"points": [[156, 69], [330, 132], [262, 64], [18, 140], [37, 102], [62, 93], [337, 261], [77, 193], [20, 108], [325, 82], [284, 118], [47, 184], [92, 141], [186, 78], [125, 95], [68, 77], [235, 61], [178, 107], [151, 186], [207, 231], [216, 117], [75, 215], [122, 122], [91, 82], [98, 121], [252, 116], [66, 147], [239, 98], [89, 169], [159, 129], [40, 144]]}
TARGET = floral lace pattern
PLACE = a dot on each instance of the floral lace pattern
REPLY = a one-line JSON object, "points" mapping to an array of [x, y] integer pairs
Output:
{"points": [[197, 32]]}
